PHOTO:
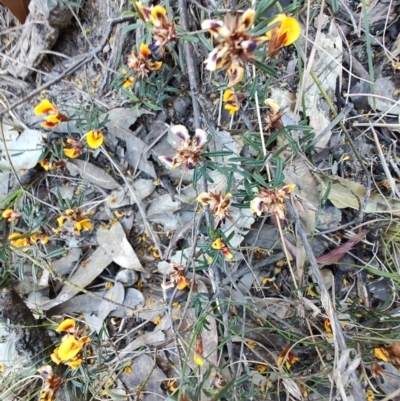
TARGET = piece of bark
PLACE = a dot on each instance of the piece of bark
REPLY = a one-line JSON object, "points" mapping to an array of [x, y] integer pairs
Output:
{"points": [[39, 34], [19, 8], [31, 341]]}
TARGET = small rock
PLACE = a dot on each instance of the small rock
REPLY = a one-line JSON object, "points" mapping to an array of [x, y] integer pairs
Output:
{"points": [[328, 217], [127, 277], [346, 264], [181, 105], [381, 288]]}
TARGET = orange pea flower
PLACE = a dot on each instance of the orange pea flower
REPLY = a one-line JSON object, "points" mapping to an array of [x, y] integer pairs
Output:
{"points": [[52, 115]]}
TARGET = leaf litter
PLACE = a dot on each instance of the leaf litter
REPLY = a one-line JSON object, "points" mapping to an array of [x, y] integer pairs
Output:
{"points": [[236, 314]]}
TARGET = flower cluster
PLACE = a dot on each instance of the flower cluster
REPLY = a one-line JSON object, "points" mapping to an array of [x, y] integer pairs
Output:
{"points": [[235, 44], [164, 30], [52, 115], [49, 165], [190, 149], [51, 384], [10, 215], [286, 30], [271, 201], [288, 357], [23, 240], [69, 351], [141, 63], [177, 274], [220, 245], [75, 220], [94, 139], [388, 354], [219, 205]]}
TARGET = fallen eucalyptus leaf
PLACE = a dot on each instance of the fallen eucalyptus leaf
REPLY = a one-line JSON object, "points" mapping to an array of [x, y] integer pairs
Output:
{"points": [[114, 242], [24, 150], [91, 173], [122, 195], [147, 339], [344, 193], [115, 293], [121, 120], [146, 380], [84, 275], [65, 264]]}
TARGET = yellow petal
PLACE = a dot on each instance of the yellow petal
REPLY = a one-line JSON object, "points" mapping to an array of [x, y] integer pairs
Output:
{"points": [[52, 120], [61, 220], [229, 95], [380, 353], [256, 206], [204, 198], [235, 73], [227, 253], [94, 139], [182, 283], [198, 360], [218, 244], [144, 12], [7, 213], [67, 325], [158, 14], [287, 28], [215, 27], [43, 238], [69, 348], [84, 224], [273, 105], [45, 163], [71, 153], [276, 21], [291, 29], [247, 20], [145, 50], [75, 363], [128, 82], [232, 108], [154, 65], [55, 357], [45, 106]]}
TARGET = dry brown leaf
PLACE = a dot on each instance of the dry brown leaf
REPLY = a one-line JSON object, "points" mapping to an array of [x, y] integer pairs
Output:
{"points": [[344, 193]]}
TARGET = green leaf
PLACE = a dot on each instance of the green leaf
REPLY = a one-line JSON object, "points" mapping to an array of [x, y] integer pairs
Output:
{"points": [[264, 67], [276, 182], [217, 154], [260, 180], [128, 13], [131, 27], [263, 7], [152, 106], [189, 38]]}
